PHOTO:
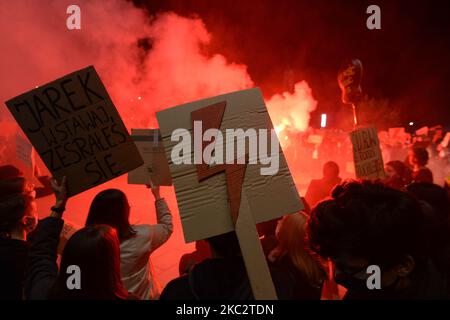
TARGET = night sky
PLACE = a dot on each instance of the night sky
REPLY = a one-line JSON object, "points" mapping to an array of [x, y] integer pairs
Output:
{"points": [[406, 63]]}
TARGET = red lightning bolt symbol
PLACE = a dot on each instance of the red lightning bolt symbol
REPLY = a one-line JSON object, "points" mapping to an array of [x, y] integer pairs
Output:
{"points": [[211, 118]]}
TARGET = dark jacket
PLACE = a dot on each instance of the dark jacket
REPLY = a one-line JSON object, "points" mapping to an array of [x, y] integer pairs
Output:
{"points": [[220, 279], [13, 262], [423, 175], [42, 267], [303, 290], [428, 283]]}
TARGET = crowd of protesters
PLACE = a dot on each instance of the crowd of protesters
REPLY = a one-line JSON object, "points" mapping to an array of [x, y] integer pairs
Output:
{"points": [[399, 225]]}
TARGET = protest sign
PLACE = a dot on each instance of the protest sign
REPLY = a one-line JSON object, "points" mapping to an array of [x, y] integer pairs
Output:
{"points": [[220, 196], [397, 135], [66, 233], [367, 154], [315, 139], [445, 142], [155, 167], [75, 128], [24, 152], [422, 131]]}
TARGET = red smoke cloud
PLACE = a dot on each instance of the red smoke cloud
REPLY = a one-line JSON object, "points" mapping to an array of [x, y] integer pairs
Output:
{"points": [[147, 62], [172, 70], [290, 111]]}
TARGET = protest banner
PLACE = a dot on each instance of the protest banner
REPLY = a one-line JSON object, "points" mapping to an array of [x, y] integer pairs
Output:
{"points": [[218, 196], [422, 131], [367, 154], [156, 166], [67, 232], [75, 128], [315, 139], [398, 135], [24, 152]]}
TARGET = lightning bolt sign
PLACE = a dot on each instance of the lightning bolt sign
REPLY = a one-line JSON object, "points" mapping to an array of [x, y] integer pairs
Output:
{"points": [[211, 118]]}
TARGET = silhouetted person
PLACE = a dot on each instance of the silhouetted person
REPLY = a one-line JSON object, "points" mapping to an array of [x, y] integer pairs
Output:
{"points": [[321, 188], [369, 224], [94, 250], [419, 157], [439, 221], [189, 260], [398, 174], [224, 277], [18, 218]]}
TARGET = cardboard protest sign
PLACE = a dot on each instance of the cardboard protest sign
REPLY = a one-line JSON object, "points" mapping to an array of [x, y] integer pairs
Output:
{"points": [[75, 128], [216, 196], [24, 152], [349, 167], [422, 131], [445, 142], [396, 132], [155, 167], [269, 196], [367, 154], [397, 135], [315, 139]]}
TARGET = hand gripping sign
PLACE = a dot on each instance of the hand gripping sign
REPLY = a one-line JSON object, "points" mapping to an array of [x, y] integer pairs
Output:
{"points": [[75, 128], [219, 190]]}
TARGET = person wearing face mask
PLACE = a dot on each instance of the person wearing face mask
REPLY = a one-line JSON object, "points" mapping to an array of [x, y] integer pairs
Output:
{"points": [[18, 217], [398, 175], [368, 224]]}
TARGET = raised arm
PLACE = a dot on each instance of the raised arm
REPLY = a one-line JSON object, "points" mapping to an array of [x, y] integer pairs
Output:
{"points": [[163, 228], [42, 268]]}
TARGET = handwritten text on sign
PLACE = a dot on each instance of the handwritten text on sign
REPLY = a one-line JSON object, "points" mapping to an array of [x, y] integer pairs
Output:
{"points": [[367, 154], [77, 131]]}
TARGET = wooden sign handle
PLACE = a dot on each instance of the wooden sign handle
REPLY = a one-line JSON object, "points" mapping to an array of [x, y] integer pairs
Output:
{"points": [[252, 252]]}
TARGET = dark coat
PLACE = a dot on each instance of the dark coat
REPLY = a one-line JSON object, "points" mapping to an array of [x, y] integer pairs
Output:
{"points": [[42, 267], [303, 290], [13, 263], [221, 279]]}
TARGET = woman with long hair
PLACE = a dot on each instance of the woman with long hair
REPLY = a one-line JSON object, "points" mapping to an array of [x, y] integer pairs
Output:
{"points": [[95, 252], [293, 256], [90, 264], [137, 242]]}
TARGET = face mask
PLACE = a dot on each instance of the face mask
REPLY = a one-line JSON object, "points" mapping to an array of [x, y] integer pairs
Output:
{"points": [[29, 223]]}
